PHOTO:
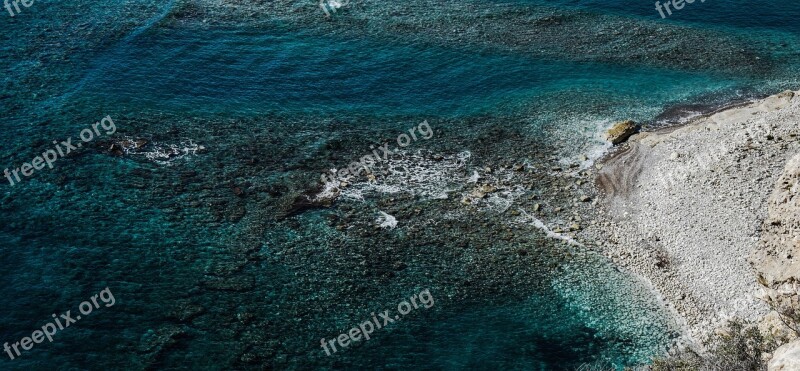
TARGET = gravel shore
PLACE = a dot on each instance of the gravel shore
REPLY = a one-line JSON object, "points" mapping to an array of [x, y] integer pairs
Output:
{"points": [[684, 207]]}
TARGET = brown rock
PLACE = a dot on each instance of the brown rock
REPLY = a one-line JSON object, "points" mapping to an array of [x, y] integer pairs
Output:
{"points": [[621, 131]]}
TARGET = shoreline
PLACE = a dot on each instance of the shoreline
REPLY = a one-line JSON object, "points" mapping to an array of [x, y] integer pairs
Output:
{"points": [[678, 115], [675, 122], [683, 206]]}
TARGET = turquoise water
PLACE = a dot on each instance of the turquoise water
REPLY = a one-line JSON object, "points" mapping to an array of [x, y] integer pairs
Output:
{"points": [[251, 73], [213, 264], [737, 14]]}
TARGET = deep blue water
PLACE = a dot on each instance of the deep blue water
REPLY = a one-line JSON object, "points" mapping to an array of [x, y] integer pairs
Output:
{"points": [[207, 277], [252, 73], [737, 14]]}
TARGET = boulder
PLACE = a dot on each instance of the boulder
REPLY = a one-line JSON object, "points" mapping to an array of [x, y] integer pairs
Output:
{"points": [[786, 358], [482, 191], [621, 131]]}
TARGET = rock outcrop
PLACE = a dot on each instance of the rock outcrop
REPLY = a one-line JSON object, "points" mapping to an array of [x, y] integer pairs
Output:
{"points": [[777, 259], [786, 358], [621, 131], [777, 262]]}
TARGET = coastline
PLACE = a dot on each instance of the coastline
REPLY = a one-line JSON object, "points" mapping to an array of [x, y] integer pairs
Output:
{"points": [[684, 114], [683, 207]]}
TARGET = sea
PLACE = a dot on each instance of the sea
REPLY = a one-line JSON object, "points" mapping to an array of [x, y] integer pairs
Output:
{"points": [[202, 213]]}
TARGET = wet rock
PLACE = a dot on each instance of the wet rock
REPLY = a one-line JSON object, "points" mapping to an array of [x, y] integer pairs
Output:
{"points": [[311, 199], [226, 267], [237, 283], [236, 213], [481, 192], [621, 131], [186, 311], [122, 147], [238, 191], [155, 342]]}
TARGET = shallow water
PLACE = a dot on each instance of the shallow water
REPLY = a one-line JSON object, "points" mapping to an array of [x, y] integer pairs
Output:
{"points": [[208, 277]]}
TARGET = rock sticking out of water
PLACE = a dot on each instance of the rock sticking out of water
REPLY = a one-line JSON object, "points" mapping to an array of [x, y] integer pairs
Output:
{"points": [[621, 131]]}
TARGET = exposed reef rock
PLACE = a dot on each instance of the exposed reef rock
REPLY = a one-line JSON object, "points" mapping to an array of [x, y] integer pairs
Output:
{"points": [[621, 131]]}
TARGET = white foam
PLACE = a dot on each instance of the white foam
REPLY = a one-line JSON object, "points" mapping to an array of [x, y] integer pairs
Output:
{"points": [[548, 232], [163, 154], [413, 174], [386, 220], [330, 190], [587, 140], [497, 201], [474, 178]]}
